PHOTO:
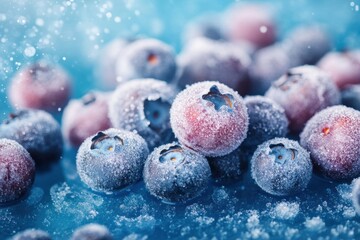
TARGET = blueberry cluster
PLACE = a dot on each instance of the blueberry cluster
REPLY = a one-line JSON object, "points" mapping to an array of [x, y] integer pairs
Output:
{"points": [[175, 121]]}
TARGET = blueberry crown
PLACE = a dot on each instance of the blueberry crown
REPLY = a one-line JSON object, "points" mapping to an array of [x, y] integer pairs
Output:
{"points": [[218, 99], [173, 153]]}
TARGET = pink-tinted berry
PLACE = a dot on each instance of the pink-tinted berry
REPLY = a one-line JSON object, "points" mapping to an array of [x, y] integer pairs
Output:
{"points": [[344, 68], [209, 60], [210, 118], [253, 23], [302, 92], [17, 170], [85, 117], [41, 86], [332, 137]]}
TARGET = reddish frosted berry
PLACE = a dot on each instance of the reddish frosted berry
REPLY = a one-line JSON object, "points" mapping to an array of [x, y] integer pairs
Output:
{"points": [[111, 159], [17, 170], [281, 167], [173, 173], [41, 86], [210, 118], [302, 92], [253, 23], [208, 60], [332, 137], [267, 120], [143, 105], [344, 68], [85, 117]]}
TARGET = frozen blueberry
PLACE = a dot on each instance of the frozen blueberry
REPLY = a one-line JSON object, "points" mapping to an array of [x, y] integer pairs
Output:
{"points": [[143, 105], [41, 86], [85, 117], [92, 231], [251, 22], [267, 120], [147, 58], [207, 26], [281, 167], [173, 173], [111, 159], [302, 92], [106, 71], [210, 118], [350, 96], [344, 68], [268, 65], [307, 44], [230, 166], [208, 60], [356, 195], [32, 234], [37, 131], [332, 137], [17, 170]]}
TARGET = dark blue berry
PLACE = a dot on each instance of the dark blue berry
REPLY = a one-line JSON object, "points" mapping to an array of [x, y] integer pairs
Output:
{"points": [[37, 131], [267, 120], [173, 173], [32, 234], [147, 58], [111, 159], [281, 167]]}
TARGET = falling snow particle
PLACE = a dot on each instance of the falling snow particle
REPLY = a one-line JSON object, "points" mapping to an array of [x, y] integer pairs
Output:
{"points": [[263, 29], [30, 51]]}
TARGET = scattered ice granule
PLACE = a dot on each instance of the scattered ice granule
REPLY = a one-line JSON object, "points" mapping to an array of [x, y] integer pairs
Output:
{"points": [[39, 22], [134, 205], [29, 51], [220, 196], [21, 20], [74, 202], [290, 233], [195, 210], [117, 19], [349, 212], [314, 224], [35, 196], [204, 220], [253, 220], [286, 210], [344, 191], [135, 236], [141, 223], [2, 17]]}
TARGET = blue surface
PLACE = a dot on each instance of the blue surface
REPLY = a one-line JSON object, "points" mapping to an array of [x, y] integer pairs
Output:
{"points": [[71, 33]]}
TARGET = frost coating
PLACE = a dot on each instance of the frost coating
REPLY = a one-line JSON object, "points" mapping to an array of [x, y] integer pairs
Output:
{"points": [[17, 171], [111, 159], [332, 137], [92, 231], [146, 58], [37, 131], [302, 92], [208, 60], [267, 120], [85, 117], [281, 167], [128, 109], [356, 195], [32, 234], [198, 125], [175, 174], [40, 86]]}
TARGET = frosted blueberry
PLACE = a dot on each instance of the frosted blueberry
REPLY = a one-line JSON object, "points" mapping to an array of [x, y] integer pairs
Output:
{"points": [[143, 105], [32, 234], [281, 167], [17, 171], [332, 137], [146, 58], [37, 131], [209, 118], [174, 173], [267, 120], [111, 159]]}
